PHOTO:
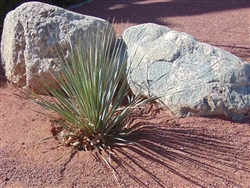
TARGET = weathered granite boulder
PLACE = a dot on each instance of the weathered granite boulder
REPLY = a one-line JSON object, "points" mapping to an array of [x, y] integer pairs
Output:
{"points": [[30, 39], [192, 78]]}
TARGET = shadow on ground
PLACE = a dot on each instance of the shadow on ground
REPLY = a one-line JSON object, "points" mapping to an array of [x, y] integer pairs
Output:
{"points": [[136, 12], [2, 73], [133, 12], [189, 153]]}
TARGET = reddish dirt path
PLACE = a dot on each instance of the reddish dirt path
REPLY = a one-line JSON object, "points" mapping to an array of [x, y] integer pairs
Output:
{"points": [[191, 152], [221, 23], [194, 152]]}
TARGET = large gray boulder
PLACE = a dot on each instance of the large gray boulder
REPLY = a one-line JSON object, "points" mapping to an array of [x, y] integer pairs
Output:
{"points": [[190, 77], [30, 39]]}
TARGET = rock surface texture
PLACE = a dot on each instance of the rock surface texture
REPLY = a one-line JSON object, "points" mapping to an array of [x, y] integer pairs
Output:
{"points": [[190, 77], [30, 39]]}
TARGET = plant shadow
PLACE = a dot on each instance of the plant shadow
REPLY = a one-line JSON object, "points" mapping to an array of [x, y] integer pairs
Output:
{"points": [[190, 153]]}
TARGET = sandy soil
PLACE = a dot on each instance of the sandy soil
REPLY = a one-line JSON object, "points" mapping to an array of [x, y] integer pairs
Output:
{"points": [[187, 152]]}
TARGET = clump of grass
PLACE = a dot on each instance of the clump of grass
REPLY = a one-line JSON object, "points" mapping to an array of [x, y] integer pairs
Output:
{"points": [[89, 92]]}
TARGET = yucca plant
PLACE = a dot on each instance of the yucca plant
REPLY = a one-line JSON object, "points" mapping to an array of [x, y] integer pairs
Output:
{"points": [[89, 93]]}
